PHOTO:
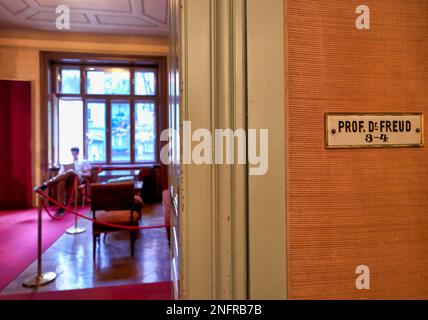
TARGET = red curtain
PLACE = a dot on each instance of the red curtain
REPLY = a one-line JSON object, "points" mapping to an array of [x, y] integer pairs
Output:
{"points": [[15, 145]]}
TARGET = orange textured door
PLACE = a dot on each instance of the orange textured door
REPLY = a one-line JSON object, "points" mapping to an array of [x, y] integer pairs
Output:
{"points": [[347, 208]]}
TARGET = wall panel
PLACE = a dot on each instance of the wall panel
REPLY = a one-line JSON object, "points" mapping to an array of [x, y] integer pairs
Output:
{"points": [[355, 207]]}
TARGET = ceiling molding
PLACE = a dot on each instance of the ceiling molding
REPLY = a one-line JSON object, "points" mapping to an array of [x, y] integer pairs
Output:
{"points": [[49, 18], [4, 4], [101, 4], [136, 17], [149, 9]]}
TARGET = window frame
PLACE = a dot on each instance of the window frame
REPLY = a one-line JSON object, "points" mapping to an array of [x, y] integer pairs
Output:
{"points": [[133, 99]]}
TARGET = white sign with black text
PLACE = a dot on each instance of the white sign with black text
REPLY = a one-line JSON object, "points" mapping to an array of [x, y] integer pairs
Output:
{"points": [[347, 130]]}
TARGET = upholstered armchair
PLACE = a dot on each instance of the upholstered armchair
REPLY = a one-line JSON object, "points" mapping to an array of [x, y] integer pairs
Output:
{"points": [[138, 201], [114, 204], [84, 187]]}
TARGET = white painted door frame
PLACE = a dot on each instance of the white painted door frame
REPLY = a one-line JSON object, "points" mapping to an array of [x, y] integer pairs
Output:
{"points": [[213, 198], [232, 225], [266, 109]]}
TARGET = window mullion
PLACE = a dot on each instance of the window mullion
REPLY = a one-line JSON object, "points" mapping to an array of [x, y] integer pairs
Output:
{"points": [[108, 128], [85, 109], [132, 115], [85, 127], [132, 120], [82, 81], [56, 128]]}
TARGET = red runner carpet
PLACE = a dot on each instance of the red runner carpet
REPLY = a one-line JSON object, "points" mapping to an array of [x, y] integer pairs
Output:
{"points": [[18, 240], [151, 291]]}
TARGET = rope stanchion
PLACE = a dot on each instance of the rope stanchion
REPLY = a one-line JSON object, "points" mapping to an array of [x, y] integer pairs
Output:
{"points": [[43, 278], [66, 210], [105, 224], [40, 279], [75, 229]]}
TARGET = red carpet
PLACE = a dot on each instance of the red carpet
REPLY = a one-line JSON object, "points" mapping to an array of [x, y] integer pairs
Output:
{"points": [[18, 240], [152, 291]]}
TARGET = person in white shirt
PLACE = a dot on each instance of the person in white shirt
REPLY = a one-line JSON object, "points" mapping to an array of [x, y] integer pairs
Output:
{"points": [[82, 168]]}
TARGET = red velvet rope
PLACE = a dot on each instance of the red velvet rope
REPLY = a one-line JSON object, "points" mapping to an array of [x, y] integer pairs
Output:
{"points": [[106, 224], [68, 205]]}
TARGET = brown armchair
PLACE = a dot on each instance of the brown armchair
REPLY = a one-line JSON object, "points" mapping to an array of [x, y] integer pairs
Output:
{"points": [[84, 187], [113, 203]]}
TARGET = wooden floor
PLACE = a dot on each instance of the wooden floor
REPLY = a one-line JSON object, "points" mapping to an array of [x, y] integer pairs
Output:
{"points": [[71, 258]]}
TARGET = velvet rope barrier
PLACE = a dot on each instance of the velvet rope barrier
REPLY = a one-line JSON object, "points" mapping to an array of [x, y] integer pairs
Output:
{"points": [[68, 205], [106, 224], [44, 278]]}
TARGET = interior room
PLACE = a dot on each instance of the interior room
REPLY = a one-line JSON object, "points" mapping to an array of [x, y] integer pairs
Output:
{"points": [[213, 149]]}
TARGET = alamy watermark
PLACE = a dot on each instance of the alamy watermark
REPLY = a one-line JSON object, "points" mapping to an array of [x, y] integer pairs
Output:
{"points": [[221, 147], [363, 280], [63, 19], [363, 20]]}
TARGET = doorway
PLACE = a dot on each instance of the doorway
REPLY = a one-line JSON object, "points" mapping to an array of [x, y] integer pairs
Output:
{"points": [[15, 139]]}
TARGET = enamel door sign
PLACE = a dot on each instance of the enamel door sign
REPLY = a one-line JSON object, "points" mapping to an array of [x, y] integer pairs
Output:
{"points": [[346, 130]]}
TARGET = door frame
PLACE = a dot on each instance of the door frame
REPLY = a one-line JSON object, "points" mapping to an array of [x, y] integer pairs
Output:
{"points": [[267, 239], [231, 226]]}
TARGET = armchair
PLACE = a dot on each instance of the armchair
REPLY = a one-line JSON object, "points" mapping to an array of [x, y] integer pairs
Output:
{"points": [[84, 187], [113, 203]]}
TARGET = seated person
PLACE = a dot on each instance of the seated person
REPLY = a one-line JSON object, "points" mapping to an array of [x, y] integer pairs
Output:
{"points": [[81, 168]]}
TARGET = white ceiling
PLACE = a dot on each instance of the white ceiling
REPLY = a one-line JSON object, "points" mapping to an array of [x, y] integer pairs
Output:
{"points": [[136, 17]]}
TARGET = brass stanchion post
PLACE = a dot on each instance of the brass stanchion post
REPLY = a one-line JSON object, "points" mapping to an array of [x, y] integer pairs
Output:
{"points": [[75, 229], [40, 279]]}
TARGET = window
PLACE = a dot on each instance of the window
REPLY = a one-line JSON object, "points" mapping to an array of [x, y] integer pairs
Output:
{"points": [[145, 131], [145, 83], [70, 127], [108, 81], [96, 135], [120, 132], [69, 81], [109, 112]]}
